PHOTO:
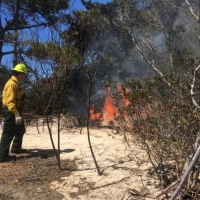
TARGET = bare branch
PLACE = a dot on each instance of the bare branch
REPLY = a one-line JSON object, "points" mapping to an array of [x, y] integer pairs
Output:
{"points": [[191, 10], [192, 88], [26, 27], [185, 175]]}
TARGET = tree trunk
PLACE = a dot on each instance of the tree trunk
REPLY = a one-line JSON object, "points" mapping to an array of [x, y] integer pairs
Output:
{"points": [[2, 32]]}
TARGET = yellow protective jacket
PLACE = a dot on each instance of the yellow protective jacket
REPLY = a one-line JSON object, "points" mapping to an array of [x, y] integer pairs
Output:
{"points": [[12, 95]]}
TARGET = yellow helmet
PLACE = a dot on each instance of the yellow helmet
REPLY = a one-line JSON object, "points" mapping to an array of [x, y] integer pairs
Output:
{"points": [[20, 68]]}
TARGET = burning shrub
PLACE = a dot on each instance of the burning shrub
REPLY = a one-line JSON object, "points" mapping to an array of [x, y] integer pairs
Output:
{"points": [[164, 125]]}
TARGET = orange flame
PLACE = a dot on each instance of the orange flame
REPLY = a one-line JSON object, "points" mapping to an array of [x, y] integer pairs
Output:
{"points": [[109, 108], [95, 115], [109, 111], [125, 101]]}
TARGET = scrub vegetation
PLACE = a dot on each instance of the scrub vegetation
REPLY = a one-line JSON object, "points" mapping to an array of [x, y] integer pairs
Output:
{"points": [[142, 54]]}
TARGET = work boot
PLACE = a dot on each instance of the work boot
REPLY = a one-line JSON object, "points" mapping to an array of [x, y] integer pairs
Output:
{"points": [[8, 159], [19, 151]]}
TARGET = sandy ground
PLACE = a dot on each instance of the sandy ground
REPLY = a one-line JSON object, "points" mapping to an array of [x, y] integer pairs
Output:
{"points": [[123, 168]]}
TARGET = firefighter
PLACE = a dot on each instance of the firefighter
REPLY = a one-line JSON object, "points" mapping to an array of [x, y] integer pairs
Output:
{"points": [[14, 128]]}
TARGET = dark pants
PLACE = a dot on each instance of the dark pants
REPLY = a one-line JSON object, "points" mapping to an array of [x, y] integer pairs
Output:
{"points": [[11, 132]]}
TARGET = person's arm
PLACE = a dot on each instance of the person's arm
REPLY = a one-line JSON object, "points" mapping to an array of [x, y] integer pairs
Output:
{"points": [[11, 94]]}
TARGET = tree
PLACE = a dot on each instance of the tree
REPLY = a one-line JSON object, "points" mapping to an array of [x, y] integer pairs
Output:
{"points": [[21, 16], [161, 38], [4, 75]]}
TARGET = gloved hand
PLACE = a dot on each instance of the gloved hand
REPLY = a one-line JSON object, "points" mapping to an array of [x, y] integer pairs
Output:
{"points": [[18, 120]]}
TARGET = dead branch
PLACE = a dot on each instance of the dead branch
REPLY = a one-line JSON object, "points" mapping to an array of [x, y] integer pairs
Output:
{"points": [[147, 194], [167, 189], [192, 88], [191, 10], [106, 185], [185, 175], [67, 121]]}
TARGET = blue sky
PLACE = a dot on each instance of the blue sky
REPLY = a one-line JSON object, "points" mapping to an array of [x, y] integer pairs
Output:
{"points": [[74, 4]]}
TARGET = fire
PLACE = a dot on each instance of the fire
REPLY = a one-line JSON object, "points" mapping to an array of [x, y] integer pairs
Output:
{"points": [[109, 109], [95, 116], [110, 112], [125, 101]]}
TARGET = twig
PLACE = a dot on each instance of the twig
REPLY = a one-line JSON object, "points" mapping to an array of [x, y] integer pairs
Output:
{"points": [[167, 189], [115, 182], [135, 192], [192, 93], [185, 175], [191, 10]]}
